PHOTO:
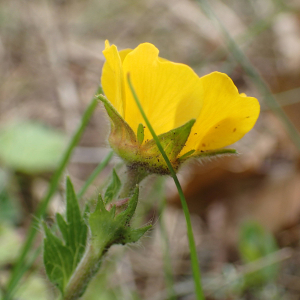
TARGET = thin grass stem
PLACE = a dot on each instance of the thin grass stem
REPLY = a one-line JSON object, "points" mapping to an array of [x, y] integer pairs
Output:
{"points": [[30, 261], [95, 173], [18, 270], [192, 245]]}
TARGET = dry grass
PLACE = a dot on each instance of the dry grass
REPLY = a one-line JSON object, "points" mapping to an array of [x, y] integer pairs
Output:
{"points": [[50, 58]]}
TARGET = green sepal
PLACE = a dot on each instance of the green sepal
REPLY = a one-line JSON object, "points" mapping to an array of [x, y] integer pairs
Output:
{"points": [[146, 156], [204, 154], [108, 229], [172, 141], [186, 155], [121, 137], [140, 134], [61, 256], [133, 235], [125, 216], [113, 189]]}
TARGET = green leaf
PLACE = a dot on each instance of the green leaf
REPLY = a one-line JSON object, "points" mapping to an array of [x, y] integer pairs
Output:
{"points": [[63, 226], [77, 229], [102, 225], [140, 134], [113, 189], [58, 260], [31, 147], [62, 256], [108, 229], [256, 243]]}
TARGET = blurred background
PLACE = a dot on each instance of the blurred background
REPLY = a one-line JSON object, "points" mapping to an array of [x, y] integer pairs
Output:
{"points": [[245, 209]]}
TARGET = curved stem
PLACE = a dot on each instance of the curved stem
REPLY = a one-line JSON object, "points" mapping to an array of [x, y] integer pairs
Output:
{"points": [[134, 175], [91, 261], [192, 245], [85, 271]]}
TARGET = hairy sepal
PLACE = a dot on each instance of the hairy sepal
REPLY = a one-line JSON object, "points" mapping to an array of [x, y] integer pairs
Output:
{"points": [[108, 229]]}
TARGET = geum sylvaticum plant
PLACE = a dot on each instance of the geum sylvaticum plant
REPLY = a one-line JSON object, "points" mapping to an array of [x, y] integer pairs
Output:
{"points": [[162, 116], [193, 117]]}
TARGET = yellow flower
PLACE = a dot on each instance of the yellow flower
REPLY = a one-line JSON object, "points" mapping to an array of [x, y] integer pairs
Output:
{"points": [[172, 95]]}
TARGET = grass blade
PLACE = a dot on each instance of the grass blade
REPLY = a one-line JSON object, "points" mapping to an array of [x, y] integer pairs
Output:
{"points": [[95, 173], [18, 270], [193, 251]]}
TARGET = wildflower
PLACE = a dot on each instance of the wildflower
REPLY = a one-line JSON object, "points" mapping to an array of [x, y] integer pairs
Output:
{"points": [[192, 116]]}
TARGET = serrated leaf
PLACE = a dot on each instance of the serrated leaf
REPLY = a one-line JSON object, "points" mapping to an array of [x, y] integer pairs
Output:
{"points": [[101, 224], [108, 229], [63, 226], [57, 260], [113, 189], [77, 229], [62, 256]]}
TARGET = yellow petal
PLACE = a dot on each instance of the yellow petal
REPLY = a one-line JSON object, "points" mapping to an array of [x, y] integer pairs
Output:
{"points": [[123, 53], [226, 116], [112, 78], [170, 93]]}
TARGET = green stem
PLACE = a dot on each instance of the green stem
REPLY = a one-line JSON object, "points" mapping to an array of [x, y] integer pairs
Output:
{"points": [[90, 263], [134, 175], [34, 228], [95, 173], [193, 251], [85, 271]]}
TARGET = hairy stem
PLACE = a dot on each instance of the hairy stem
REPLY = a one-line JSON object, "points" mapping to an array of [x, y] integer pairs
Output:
{"points": [[91, 261], [85, 271], [133, 176]]}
